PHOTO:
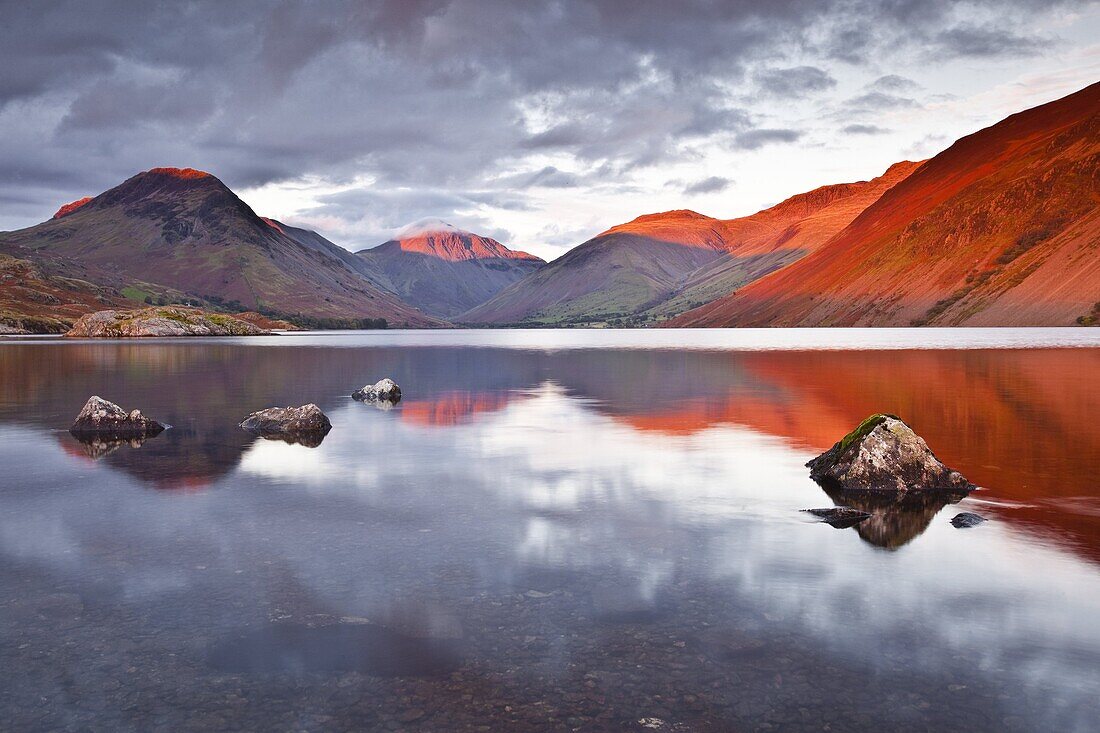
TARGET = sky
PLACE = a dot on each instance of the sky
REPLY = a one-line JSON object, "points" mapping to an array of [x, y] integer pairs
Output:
{"points": [[540, 124]]}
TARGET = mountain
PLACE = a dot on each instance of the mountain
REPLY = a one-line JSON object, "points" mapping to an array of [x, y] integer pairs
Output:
{"points": [[1000, 229], [663, 264], [185, 230], [774, 238], [444, 270], [624, 270]]}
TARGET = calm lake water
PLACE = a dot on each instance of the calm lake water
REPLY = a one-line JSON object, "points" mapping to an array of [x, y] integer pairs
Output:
{"points": [[579, 530]]}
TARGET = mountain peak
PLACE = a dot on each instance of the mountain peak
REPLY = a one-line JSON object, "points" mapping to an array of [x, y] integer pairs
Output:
{"points": [[425, 227], [69, 208], [181, 173]]}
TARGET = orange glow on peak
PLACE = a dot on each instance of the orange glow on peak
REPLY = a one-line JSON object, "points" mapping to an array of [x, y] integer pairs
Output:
{"points": [[184, 173], [71, 207]]}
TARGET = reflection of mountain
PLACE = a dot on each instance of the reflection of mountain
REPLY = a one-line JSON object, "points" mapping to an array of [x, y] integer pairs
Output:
{"points": [[452, 408], [1011, 421]]}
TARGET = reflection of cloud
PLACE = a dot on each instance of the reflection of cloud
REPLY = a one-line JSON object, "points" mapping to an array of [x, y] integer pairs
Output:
{"points": [[386, 510]]}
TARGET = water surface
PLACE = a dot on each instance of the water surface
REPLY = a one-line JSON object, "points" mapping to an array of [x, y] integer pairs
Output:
{"points": [[552, 531]]}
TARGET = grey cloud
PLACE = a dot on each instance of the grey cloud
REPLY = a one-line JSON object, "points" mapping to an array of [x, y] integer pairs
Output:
{"points": [[972, 41], [712, 184], [430, 94], [860, 129], [798, 81], [879, 101], [754, 139], [893, 83]]}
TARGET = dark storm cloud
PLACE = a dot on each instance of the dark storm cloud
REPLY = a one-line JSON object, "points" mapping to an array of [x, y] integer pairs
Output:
{"points": [[794, 82], [431, 94], [713, 184]]}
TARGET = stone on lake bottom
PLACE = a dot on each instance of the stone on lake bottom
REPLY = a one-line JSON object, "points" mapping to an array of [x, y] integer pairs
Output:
{"points": [[967, 519], [840, 517]]}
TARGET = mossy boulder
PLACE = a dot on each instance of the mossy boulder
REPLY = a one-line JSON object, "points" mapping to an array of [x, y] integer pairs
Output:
{"points": [[883, 454]]}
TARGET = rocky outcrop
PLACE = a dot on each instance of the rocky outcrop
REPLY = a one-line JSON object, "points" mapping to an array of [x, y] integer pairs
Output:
{"points": [[883, 454], [104, 419], [385, 390], [305, 425], [6, 330], [963, 520], [840, 517], [163, 321]]}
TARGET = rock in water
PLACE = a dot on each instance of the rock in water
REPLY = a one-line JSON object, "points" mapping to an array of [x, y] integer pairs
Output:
{"points": [[840, 517], [385, 390], [306, 424], [883, 454], [967, 519], [106, 419]]}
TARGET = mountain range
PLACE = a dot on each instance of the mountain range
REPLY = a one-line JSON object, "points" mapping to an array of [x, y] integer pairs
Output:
{"points": [[1002, 228]]}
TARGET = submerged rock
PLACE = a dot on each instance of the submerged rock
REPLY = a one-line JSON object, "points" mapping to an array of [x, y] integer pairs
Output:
{"points": [[306, 424], [164, 321], [384, 390], [840, 517], [883, 454], [967, 519], [102, 418]]}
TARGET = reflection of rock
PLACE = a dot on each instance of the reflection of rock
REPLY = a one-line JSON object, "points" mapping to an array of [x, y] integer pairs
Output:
{"points": [[841, 517], [883, 454], [895, 518], [966, 519], [98, 447], [384, 390], [106, 419], [306, 425]]}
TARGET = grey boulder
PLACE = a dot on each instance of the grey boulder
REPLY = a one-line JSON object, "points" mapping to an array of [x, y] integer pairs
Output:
{"points": [[384, 390], [883, 454], [305, 424], [100, 417]]}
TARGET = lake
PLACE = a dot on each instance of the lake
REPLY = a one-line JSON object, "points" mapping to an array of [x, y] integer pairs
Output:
{"points": [[553, 530]]}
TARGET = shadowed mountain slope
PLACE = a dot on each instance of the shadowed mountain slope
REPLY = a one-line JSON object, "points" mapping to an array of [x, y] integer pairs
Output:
{"points": [[1002, 228], [184, 229]]}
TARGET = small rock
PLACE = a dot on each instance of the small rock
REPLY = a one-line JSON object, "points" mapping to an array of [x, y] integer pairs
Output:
{"points": [[840, 517], [384, 390], [306, 424], [102, 418], [967, 519], [883, 454]]}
